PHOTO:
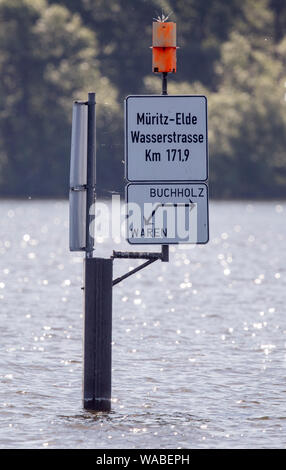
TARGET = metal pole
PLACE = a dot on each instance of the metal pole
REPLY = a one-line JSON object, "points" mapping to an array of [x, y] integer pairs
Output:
{"points": [[97, 334], [165, 253], [91, 173], [165, 248], [164, 83], [98, 297]]}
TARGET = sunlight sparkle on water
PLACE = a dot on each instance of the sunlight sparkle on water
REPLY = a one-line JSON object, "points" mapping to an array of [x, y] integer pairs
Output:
{"points": [[218, 345]]}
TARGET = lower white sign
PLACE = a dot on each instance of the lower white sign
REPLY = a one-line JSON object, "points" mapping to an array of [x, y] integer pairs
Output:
{"points": [[167, 213]]}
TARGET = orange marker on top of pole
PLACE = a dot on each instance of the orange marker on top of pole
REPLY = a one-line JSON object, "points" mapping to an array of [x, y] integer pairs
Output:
{"points": [[164, 47]]}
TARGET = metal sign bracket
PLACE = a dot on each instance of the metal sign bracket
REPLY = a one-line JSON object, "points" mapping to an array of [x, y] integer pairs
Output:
{"points": [[150, 256]]}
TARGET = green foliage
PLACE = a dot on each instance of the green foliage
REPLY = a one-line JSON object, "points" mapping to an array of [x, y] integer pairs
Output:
{"points": [[247, 113], [52, 52], [47, 59]]}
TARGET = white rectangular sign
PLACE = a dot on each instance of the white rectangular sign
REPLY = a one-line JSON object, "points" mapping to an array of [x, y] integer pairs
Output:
{"points": [[167, 213], [166, 138]]}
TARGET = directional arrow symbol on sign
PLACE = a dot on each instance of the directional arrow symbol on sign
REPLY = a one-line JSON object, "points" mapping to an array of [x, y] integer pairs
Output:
{"points": [[192, 205], [147, 221], [159, 216]]}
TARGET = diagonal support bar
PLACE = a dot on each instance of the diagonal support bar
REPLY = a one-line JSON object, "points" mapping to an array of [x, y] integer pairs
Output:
{"points": [[135, 270]]}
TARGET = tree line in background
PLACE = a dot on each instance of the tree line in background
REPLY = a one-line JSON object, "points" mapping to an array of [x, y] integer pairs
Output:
{"points": [[53, 52]]}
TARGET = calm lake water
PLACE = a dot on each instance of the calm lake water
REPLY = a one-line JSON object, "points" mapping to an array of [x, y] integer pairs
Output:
{"points": [[199, 343]]}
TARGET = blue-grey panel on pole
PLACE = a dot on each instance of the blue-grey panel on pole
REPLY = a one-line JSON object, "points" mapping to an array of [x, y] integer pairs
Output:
{"points": [[78, 177], [77, 221]]}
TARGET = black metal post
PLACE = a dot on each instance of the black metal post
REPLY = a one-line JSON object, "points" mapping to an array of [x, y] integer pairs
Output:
{"points": [[91, 173], [97, 334], [165, 248], [164, 83], [165, 253], [98, 296]]}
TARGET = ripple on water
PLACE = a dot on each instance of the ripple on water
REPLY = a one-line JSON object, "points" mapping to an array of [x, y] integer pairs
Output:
{"points": [[198, 343]]}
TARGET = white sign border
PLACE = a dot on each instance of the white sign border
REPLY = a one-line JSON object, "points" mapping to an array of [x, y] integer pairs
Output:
{"points": [[205, 183], [126, 139]]}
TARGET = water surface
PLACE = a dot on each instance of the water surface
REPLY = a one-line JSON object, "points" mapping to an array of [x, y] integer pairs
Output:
{"points": [[199, 343]]}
